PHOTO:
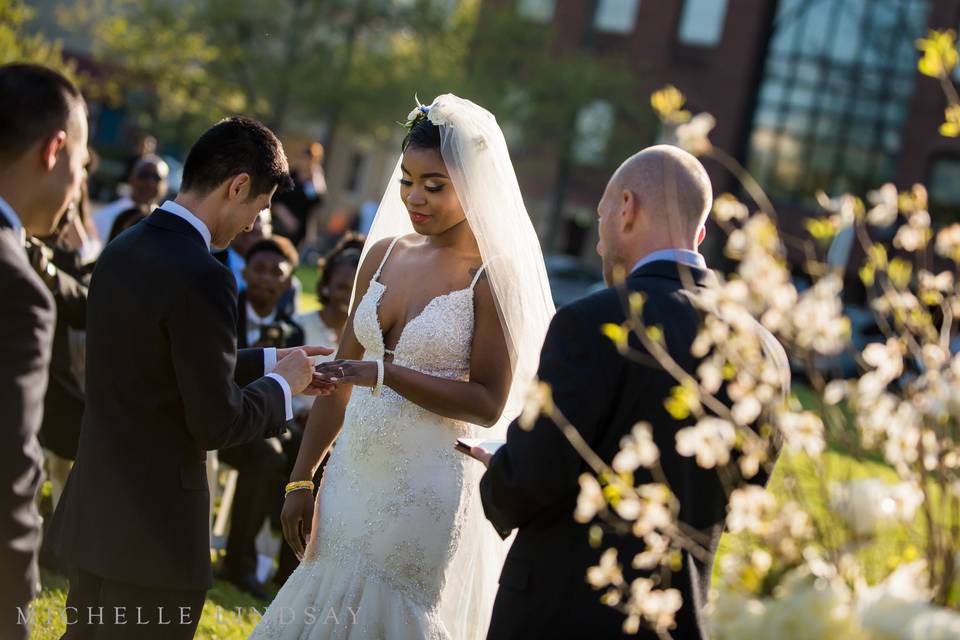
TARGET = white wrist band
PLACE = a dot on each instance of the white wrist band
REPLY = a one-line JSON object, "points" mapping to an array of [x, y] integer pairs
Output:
{"points": [[377, 389]]}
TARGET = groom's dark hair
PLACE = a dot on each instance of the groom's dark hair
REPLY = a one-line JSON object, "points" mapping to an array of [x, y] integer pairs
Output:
{"points": [[233, 146]]}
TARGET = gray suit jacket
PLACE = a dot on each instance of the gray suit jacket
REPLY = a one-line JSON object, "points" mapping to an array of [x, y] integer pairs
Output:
{"points": [[26, 336]]}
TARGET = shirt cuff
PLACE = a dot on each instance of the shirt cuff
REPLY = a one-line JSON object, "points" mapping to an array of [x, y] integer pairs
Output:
{"points": [[269, 359], [287, 396]]}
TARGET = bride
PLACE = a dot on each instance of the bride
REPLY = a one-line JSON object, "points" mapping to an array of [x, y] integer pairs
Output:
{"points": [[451, 305]]}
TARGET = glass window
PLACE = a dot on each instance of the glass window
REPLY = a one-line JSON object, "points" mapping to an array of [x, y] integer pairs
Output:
{"points": [[616, 16], [943, 186], [701, 23], [838, 80], [592, 134], [537, 10]]}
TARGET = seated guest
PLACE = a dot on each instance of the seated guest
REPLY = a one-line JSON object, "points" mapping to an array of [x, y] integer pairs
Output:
{"points": [[262, 464], [125, 220], [232, 258], [148, 185]]}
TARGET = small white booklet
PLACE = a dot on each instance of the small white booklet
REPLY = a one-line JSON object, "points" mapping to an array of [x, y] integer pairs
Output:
{"points": [[490, 446]]}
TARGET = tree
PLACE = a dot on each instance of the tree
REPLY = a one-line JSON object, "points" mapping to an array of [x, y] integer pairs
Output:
{"points": [[18, 46], [185, 64]]}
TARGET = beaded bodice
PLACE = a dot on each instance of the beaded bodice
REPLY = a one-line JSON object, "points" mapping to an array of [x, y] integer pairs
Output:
{"points": [[436, 341]]}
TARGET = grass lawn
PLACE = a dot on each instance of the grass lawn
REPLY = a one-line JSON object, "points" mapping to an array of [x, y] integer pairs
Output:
{"points": [[307, 275], [805, 481], [220, 620]]}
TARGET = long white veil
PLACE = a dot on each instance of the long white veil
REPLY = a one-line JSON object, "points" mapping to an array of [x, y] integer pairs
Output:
{"points": [[476, 156]]}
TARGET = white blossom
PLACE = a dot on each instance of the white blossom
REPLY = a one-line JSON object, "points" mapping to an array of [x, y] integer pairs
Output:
{"points": [[915, 234], [948, 242], [748, 509], [885, 358], [607, 572], [885, 201], [657, 607], [710, 441], [654, 553], [637, 449], [590, 500], [693, 136], [802, 431], [726, 207], [866, 503]]}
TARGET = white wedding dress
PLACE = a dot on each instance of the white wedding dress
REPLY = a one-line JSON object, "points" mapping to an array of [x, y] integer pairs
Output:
{"points": [[395, 499]]}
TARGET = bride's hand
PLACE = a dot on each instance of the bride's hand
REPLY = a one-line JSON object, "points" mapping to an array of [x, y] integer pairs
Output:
{"points": [[296, 520], [361, 373]]}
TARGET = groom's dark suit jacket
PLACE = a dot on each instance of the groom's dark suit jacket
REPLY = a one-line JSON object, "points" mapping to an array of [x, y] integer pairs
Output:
{"points": [[163, 387], [26, 334], [532, 484]]}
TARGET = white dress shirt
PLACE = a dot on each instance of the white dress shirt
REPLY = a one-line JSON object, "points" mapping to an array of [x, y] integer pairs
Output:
{"points": [[682, 256], [105, 216], [182, 212], [254, 322], [269, 354]]}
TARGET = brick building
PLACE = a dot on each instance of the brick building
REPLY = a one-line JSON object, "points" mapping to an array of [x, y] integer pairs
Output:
{"points": [[808, 94]]}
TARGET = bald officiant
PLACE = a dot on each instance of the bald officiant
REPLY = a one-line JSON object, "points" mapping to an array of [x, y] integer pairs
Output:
{"points": [[652, 218], [43, 151]]}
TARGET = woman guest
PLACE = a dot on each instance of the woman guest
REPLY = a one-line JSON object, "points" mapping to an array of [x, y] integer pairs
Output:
{"points": [[337, 271]]}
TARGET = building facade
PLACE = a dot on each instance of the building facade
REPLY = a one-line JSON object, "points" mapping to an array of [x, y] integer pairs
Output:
{"points": [[808, 94]]}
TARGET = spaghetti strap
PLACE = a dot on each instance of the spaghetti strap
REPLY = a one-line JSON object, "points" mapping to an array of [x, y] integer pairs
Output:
{"points": [[476, 277], [376, 276]]}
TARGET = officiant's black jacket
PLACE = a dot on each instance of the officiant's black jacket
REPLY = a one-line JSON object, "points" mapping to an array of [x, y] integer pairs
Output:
{"points": [[532, 484], [162, 389], [26, 334]]}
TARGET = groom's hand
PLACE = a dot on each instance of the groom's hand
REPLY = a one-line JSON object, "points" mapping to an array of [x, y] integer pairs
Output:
{"points": [[296, 520], [296, 367]]}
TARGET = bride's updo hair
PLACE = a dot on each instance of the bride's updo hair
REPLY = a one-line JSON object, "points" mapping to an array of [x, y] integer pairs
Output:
{"points": [[423, 134]]}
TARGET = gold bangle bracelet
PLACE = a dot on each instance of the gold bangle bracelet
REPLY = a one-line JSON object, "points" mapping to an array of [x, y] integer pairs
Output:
{"points": [[300, 484]]}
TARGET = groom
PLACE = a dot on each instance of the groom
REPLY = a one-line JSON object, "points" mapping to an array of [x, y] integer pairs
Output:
{"points": [[652, 218], [165, 384]]}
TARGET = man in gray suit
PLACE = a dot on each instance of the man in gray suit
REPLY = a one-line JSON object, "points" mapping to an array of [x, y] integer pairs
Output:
{"points": [[43, 150]]}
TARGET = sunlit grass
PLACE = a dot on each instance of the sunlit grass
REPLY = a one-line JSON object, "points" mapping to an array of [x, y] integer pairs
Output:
{"points": [[221, 619], [807, 482], [307, 275]]}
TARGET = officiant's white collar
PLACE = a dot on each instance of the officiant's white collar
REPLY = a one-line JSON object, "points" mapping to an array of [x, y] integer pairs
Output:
{"points": [[182, 212], [683, 256]]}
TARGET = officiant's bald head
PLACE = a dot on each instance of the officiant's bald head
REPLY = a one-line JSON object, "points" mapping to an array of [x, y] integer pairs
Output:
{"points": [[659, 198]]}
